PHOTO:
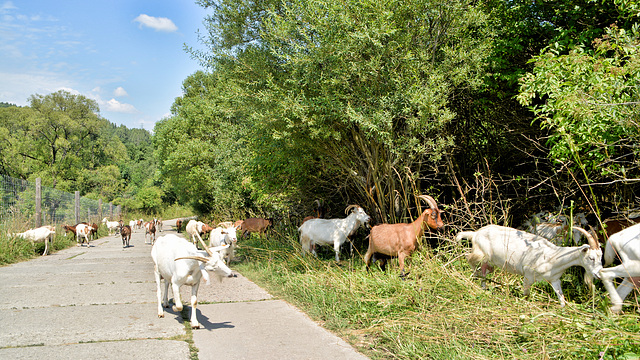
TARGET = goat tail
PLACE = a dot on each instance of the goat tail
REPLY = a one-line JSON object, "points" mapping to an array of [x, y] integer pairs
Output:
{"points": [[305, 242], [476, 255], [465, 235]]}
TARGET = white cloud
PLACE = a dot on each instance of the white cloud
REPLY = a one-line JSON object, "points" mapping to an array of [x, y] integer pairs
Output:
{"points": [[116, 106], [120, 91], [7, 5], [157, 23]]}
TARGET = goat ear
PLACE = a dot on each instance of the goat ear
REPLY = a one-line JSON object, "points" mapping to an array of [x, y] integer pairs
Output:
{"points": [[218, 248]]}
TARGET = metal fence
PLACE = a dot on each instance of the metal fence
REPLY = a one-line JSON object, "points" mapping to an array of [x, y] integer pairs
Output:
{"points": [[43, 205]]}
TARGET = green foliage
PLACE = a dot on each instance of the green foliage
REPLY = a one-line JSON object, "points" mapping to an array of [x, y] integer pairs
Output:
{"points": [[61, 138], [342, 98], [590, 101], [148, 199], [201, 149]]}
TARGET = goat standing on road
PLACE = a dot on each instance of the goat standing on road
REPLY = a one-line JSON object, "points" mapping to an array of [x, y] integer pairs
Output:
{"points": [[150, 229], [179, 262], [125, 232]]}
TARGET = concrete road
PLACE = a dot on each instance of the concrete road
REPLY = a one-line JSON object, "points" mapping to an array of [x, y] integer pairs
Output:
{"points": [[99, 302]]}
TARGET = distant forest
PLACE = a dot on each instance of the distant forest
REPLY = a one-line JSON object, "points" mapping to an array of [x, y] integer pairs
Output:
{"points": [[61, 139]]}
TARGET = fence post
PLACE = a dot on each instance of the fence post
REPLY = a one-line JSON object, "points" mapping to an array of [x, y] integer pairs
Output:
{"points": [[38, 202], [119, 211], [110, 210], [100, 209], [77, 208]]}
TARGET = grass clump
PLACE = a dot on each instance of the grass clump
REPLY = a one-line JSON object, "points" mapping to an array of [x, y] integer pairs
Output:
{"points": [[439, 311]]}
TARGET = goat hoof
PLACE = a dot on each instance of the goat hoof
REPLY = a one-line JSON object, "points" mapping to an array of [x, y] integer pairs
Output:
{"points": [[196, 326], [161, 315]]}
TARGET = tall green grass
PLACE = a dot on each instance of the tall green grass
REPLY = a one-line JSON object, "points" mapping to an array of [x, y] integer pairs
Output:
{"points": [[439, 311], [15, 249]]}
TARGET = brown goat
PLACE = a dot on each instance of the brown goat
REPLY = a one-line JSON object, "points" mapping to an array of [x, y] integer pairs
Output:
{"points": [[69, 229], [613, 226], [258, 225], [125, 232], [401, 240], [150, 229]]}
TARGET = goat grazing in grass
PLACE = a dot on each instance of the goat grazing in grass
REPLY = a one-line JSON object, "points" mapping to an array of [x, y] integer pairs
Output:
{"points": [[624, 245], [331, 231], [530, 255], [254, 225], [401, 240], [42, 234]]}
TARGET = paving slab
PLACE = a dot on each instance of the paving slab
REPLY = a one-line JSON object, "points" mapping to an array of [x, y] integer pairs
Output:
{"points": [[266, 330], [143, 350]]}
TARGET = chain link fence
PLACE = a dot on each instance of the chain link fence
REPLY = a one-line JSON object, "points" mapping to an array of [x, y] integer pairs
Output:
{"points": [[42, 205]]}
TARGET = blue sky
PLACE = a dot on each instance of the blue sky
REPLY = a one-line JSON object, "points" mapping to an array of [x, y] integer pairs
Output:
{"points": [[126, 54]]}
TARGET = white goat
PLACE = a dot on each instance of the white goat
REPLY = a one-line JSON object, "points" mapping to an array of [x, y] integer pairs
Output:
{"points": [[555, 227], [83, 230], [132, 224], [179, 262], [150, 229], [42, 234], [331, 231], [529, 255], [624, 245], [195, 228], [225, 236], [111, 225]]}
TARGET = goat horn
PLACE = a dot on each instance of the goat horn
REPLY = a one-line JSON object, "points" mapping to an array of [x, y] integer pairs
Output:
{"points": [[432, 203], [590, 239], [205, 246], [346, 211], [199, 258]]}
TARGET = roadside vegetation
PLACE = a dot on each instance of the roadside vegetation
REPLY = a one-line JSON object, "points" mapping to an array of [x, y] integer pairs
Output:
{"points": [[439, 311]]}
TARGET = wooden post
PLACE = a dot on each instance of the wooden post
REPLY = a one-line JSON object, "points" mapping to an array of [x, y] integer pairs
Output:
{"points": [[77, 208], [100, 209], [111, 210], [38, 202]]}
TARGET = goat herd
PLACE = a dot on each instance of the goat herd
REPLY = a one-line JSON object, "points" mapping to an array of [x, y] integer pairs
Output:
{"points": [[533, 253]]}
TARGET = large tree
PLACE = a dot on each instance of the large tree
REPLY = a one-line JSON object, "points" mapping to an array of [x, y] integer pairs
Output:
{"points": [[58, 138], [350, 98]]}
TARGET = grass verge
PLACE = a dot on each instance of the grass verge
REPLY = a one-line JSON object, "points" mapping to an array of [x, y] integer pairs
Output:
{"points": [[439, 311]]}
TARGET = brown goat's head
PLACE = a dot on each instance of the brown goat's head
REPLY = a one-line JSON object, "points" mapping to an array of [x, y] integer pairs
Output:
{"points": [[432, 215]]}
